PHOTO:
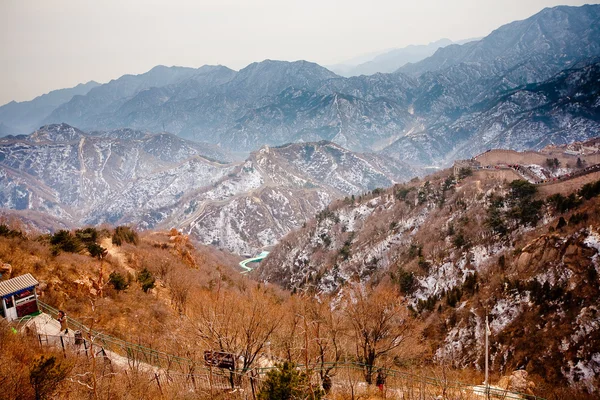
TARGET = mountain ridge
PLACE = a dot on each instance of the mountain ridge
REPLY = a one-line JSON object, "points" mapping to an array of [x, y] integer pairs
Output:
{"points": [[160, 180]]}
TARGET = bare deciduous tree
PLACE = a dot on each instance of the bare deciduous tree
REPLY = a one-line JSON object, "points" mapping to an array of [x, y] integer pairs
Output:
{"points": [[242, 325], [379, 323], [326, 330]]}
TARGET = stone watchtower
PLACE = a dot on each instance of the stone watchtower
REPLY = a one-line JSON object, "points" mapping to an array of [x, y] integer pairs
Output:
{"points": [[460, 164]]}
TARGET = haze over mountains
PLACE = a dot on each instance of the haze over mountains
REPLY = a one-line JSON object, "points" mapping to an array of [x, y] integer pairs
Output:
{"points": [[331, 175], [417, 110], [388, 61], [526, 85]]}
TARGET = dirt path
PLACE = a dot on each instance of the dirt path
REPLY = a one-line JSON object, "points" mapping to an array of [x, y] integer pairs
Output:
{"points": [[49, 330], [115, 253]]}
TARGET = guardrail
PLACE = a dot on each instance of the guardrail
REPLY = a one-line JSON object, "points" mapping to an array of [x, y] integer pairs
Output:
{"points": [[194, 371], [134, 352]]}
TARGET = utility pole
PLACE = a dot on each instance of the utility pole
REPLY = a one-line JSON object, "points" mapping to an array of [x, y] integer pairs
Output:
{"points": [[487, 334]]}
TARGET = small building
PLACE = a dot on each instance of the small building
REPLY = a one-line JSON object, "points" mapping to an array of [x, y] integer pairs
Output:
{"points": [[18, 297]]}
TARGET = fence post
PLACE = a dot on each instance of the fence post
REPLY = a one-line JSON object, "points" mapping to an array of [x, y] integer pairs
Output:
{"points": [[252, 377], [62, 343]]}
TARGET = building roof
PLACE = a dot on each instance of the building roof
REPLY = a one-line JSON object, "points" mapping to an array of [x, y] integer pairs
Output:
{"points": [[17, 284]]}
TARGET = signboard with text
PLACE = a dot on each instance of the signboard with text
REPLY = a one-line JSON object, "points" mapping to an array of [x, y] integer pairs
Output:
{"points": [[219, 359]]}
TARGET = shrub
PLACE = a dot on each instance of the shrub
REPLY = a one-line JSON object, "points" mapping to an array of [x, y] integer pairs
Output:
{"points": [[327, 214], [345, 250], [423, 264], [65, 241], [287, 383], [124, 234], [562, 204], [521, 190], [453, 296], [459, 240], [402, 192], [470, 285], [464, 172], [87, 235], [325, 238], [118, 281], [146, 279], [448, 183], [590, 190], [495, 222], [428, 304], [45, 374], [10, 233], [552, 163], [406, 281], [96, 250], [414, 250], [527, 212], [578, 218]]}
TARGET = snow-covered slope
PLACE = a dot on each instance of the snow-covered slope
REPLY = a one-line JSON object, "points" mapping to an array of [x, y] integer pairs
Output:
{"points": [[459, 250], [560, 110], [160, 180]]}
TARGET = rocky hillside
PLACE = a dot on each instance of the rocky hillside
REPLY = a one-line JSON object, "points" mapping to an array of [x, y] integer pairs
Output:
{"points": [[560, 110], [485, 243], [274, 191], [561, 35], [150, 180]]}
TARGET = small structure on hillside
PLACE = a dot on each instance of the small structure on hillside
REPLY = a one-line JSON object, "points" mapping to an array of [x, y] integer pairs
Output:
{"points": [[465, 164], [18, 297]]}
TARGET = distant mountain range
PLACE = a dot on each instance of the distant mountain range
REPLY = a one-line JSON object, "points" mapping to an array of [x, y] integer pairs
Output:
{"points": [[417, 113], [389, 61], [24, 117], [160, 180], [560, 110], [306, 135]]}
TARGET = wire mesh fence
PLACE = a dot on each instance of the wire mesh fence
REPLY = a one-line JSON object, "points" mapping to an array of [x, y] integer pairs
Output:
{"points": [[347, 379]]}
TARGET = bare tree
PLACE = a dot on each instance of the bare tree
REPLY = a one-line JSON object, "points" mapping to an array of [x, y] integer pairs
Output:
{"points": [[378, 321], [238, 324], [288, 338], [325, 328]]}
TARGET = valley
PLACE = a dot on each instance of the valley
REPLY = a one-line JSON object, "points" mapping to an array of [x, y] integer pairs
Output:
{"points": [[422, 222]]}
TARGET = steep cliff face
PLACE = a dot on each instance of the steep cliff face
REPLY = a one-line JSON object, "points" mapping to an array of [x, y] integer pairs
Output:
{"points": [[461, 250]]}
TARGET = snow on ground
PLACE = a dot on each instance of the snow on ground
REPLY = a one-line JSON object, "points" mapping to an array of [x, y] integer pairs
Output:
{"points": [[537, 171], [593, 241], [587, 322], [561, 171], [506, 311], [583, 372]]}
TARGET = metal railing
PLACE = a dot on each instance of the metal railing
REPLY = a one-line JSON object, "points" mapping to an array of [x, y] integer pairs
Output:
{"points": [[193, 371]]}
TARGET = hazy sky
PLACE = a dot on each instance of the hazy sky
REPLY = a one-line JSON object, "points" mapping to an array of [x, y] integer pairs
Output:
{"points": [[52, 44]]}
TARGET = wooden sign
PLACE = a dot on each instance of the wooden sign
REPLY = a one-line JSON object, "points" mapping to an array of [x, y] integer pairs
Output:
{"points": [[219, 359]]}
